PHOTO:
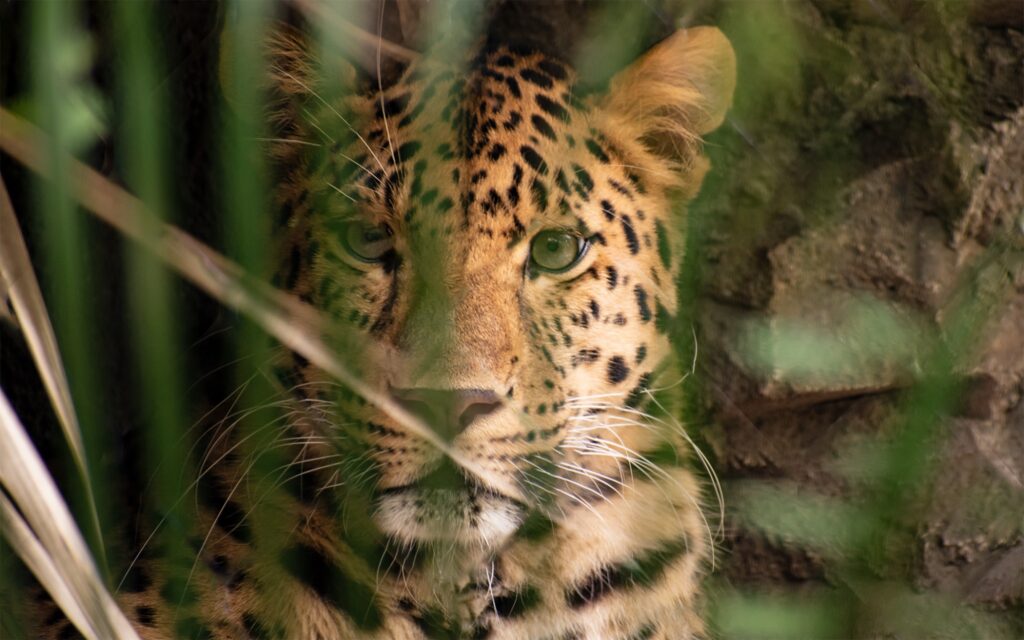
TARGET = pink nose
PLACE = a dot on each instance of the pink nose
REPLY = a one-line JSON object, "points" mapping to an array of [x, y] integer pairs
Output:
{"points": [[448, 411]]}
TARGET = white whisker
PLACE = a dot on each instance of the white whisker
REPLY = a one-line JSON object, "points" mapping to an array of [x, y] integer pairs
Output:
{"points": [[342, 192], [316, 95]]}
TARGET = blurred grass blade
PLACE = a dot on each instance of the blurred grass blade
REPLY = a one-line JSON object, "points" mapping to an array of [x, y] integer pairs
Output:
{"points": [[27, 300], [781, 511], [763, 616], [25, 478], [156, 339], [60, 54], [30, 308], [361, 40], [295, 324], [16, 531]]}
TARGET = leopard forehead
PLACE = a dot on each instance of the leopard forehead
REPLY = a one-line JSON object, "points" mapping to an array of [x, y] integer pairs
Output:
{"points": [[464, 166]]}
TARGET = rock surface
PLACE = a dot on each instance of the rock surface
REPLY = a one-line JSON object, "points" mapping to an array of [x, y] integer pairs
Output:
{"points": [[866, 221]]}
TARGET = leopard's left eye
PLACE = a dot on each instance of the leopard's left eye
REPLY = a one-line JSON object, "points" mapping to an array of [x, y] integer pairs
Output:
{"points": [[557, 250]]}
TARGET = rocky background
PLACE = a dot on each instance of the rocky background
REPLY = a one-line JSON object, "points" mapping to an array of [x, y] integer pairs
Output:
{"points": [[859, 312]]}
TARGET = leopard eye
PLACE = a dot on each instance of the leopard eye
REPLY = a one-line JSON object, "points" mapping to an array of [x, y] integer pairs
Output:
{"points": [[556, 250], [368, 242]]}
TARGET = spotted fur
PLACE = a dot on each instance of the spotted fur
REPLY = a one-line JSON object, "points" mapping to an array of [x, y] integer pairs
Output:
{"points": [[580, 517]]}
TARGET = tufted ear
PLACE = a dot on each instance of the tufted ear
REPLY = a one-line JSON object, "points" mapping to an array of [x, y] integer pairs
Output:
{"points": [[676, 92], [289, 70]]}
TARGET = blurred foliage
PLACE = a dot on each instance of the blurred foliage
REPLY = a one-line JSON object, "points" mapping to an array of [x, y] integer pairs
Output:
{"points": [[68, 106]]}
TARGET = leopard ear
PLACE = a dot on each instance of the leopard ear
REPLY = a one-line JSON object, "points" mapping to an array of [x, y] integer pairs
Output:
{"points": [[289, 70], [676, 92]]}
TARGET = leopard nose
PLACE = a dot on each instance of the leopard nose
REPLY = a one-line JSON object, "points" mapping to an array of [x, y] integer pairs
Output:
{"points": [[448, 411]]}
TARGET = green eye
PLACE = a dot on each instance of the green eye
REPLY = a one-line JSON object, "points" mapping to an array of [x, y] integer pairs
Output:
{"points": [[555, 250], [368, 242]]}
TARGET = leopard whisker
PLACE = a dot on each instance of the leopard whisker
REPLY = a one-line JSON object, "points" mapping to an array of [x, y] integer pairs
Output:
{"points": [[609, 406], [227, 499], [649, 469], [332, 483], [312, 120], [602, 446], [614, 484], [342, 192], [539, 487], [289, 141], [610, 424], [235, 397], [225, 432], [358, 164], [693, 365], [572, 482], [202, 472], [380, 562], [583, 503], [491, 574], [676, 426], [572, 440], [282, 480], [380, 82], [364, 473], [706, 463], [290, 76]]}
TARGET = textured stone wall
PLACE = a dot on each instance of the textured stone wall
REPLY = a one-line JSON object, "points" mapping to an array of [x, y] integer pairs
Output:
{"points": [[868, 195]]}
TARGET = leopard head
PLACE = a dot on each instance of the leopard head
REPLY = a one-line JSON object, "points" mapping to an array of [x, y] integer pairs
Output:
{"points": [[503, 254]]}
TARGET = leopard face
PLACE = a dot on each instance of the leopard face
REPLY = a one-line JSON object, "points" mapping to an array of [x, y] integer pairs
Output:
{"points": [[504, 266], [506, 253]]}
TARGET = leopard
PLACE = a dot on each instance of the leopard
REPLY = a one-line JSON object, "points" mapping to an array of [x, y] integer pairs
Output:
{"points": [[500, 251]]}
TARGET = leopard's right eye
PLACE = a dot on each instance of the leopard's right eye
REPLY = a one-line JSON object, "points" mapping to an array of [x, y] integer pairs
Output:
{"points": [[557, 250], [367, 242]]}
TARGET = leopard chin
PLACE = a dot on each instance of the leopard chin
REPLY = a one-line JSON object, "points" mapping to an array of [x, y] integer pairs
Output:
{"points": [[464, 514]]}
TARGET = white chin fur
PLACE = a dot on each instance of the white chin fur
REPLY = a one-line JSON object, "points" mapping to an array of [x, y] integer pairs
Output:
{"points": [[431, 515]]}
